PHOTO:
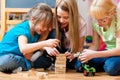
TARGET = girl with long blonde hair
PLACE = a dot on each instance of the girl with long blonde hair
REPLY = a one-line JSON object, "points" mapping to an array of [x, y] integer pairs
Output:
{"points": [[106, 25], [70, 28]]}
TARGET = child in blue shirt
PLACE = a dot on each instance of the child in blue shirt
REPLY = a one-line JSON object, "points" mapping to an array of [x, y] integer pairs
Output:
{"points": [[19, 44]]}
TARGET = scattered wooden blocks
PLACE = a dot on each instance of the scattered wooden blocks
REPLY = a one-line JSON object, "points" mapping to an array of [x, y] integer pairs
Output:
{"points": [[25, 75], [30, 75]]}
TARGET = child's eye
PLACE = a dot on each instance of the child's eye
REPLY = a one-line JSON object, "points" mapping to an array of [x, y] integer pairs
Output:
{"points": [[58, 16], [66, 17]]}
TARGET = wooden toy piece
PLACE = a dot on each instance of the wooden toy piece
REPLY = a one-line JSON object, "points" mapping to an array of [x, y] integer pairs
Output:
{"points": [[17, 76], [60, 64], [39, 75], [42, 75], [32, 74], [60, 70], [77, 54]]}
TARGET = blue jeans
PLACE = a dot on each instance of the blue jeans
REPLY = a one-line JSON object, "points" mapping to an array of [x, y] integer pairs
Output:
{"points": [[9, 62], [110, 65]]}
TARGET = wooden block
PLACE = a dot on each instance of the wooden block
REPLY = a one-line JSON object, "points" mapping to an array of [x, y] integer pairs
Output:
{"points": [[24, 76], [61, 55], [57, 65], [61, 58], [42, 75], [60, 62], [60, 69], [77, 54]]}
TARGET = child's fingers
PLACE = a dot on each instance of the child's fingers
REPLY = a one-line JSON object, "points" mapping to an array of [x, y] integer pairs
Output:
{"points": [[56, 51]]}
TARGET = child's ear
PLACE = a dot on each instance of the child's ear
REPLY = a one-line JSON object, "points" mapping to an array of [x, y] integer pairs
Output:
{"points": [[32, 19]]}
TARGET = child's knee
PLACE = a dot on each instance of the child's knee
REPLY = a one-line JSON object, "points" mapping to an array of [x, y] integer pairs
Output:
{"points": [[112, 69]]}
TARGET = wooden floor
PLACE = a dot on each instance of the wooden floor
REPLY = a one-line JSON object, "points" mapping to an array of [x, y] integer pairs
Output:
{"points": [[79, 76], [69, 75]]}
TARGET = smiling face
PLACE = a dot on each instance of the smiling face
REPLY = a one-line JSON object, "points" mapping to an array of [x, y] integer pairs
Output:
{"points": [[62, 17], [40, 27]]}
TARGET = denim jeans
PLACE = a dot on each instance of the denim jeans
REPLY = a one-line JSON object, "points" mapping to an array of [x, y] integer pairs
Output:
{"points": [[110, 65], [9, 62]]}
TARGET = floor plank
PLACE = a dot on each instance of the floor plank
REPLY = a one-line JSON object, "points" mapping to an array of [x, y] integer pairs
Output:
{"points": [[51, 75], [79, 76]]}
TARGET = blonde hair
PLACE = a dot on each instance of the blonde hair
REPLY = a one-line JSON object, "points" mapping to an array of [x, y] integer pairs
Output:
{"points": [[41, 12], [71, 7], [101, 8]]}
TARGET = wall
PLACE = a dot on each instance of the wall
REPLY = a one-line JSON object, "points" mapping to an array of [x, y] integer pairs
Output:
{"points": [[83, 6], [30, 3]]}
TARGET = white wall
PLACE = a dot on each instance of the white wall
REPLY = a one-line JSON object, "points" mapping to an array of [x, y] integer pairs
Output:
{"points": [[83, 6]]}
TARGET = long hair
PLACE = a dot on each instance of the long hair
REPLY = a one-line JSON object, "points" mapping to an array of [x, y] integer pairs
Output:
{"points": [[100, 8], [71, 7]]}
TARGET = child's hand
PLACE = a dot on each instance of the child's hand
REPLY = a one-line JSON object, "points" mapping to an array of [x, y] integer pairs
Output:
{"points": [[52, 43], [86, 55], [51, 51], [69, 56]]}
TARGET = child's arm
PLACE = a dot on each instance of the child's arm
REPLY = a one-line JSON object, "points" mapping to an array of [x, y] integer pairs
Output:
{"points": [[27, 48]]}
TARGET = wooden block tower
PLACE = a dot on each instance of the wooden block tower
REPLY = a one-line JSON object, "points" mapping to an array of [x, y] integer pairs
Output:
{"points": [[60, 64]]}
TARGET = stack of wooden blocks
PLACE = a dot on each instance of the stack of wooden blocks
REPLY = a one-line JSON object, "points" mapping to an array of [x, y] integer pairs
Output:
{"points": [[60, 64]]}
